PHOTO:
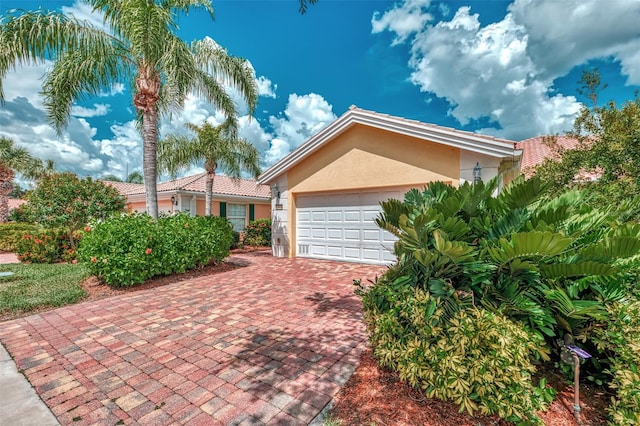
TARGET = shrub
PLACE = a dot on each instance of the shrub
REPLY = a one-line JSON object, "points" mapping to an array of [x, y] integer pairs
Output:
{"points": [[478, 359], [67, 201], [620, 339], [258, 233], [129, 249], [235, 242], [11, 233], [44, 246]]}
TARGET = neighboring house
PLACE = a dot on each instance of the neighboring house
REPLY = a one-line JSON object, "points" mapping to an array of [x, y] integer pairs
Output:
{"points": [[239, 200], [536, 150], [14, 203], [326, 192]]}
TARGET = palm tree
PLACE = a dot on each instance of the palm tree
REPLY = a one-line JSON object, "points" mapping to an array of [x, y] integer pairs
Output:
{"points": [[14, 159], [135, 177], [140, 47], [214, 146]]}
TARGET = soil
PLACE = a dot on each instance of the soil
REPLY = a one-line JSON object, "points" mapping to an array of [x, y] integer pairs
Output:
{"points": [[375, 396]]}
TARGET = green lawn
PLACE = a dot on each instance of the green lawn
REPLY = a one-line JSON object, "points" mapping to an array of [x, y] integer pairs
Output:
{"points": [[38, 285]]}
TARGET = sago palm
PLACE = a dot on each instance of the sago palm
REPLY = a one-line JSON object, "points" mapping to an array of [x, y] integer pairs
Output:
{"points": [[14, 159], [140, 47], [215, 147]]}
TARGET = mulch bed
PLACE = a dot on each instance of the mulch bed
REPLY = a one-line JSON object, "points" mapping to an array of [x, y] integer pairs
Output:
{"points": [[375, 396]]}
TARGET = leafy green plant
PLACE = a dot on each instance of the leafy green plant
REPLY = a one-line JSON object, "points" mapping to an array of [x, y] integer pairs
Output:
{"points": [[131, 248], [66, 201], [11, 233], [45, 246], [258, 233], [478, 359], [548, 265], [619, 339]]}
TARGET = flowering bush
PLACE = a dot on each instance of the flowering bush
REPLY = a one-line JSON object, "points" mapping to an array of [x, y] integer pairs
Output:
{"points": [[129, 249], [258, 233], [45, 246], [11, 233]]}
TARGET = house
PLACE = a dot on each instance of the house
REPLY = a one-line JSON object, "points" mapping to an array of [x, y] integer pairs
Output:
{"points": [[326, 192], [239, 200]]}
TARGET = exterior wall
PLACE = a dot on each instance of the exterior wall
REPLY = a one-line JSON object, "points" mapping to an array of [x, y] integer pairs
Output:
{"points": [[137, 206], [490, 166], [365, 157], [262, 211], [280, 208], [362, 157]]}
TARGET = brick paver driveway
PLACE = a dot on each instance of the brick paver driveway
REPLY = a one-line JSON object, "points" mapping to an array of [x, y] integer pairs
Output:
{"points": [[270, 342]]}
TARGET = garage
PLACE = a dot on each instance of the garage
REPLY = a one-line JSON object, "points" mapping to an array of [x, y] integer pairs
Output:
{"points": [[341, 226], [326, 192]]}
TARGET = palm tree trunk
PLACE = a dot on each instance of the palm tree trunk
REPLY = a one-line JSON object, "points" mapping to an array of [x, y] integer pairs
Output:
{"points": [[208, 193], [149, 158], [5, 189]]}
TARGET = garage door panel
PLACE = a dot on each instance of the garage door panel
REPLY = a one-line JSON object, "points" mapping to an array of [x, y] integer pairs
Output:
{"points": [[342, 227], [352, 235]]}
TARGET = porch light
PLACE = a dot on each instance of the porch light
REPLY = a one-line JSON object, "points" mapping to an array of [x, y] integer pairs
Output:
{"points": [[276, 191], [477, 173], [174, 200]]}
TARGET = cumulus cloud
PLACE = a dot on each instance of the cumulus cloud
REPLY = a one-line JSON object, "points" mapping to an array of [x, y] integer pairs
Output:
{"points": [[504, 71], [266, 87], [84, 12], [97, 110], [116, 89], [404, 19]]}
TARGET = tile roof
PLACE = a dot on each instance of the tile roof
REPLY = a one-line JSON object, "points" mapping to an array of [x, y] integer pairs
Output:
{"points": [[222, 185], [536, 150], [15, 203]]}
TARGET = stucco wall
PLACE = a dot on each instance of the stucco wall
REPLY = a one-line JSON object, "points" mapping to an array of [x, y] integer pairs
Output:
{"points": [[368, 157]]}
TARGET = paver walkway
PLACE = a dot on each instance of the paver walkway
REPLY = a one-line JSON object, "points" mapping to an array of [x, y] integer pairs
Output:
{"points": [[268, 343]]}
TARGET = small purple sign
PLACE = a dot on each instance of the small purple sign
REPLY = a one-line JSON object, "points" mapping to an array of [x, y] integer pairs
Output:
{"points": [[579, 351]]}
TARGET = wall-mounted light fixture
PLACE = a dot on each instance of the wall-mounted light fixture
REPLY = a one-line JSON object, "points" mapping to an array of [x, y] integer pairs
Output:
{"points": [[174, 200], [275, 191], [477, 173]]}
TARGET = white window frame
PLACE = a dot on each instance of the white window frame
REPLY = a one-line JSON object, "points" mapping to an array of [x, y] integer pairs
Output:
{"points": [[231, 217]]}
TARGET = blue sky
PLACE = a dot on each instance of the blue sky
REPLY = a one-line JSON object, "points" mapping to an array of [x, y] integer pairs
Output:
{"points": [[505, 68]]}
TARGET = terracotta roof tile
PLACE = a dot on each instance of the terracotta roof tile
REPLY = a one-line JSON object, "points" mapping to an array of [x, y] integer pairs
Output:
{"points": [[536, 150], [15, 203], [222, 185]]}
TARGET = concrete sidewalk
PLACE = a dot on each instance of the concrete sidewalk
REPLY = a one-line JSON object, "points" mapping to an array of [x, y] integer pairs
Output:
{"points": [[19, 403]]}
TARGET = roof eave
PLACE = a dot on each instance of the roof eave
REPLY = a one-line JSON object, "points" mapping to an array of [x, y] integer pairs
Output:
{"points": [[499, 148]]}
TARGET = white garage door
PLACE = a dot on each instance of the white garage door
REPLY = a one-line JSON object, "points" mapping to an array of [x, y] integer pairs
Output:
{"points": [[341, 227]]}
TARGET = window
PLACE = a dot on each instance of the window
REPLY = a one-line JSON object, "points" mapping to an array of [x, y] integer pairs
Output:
{"points": [[237, 215]]}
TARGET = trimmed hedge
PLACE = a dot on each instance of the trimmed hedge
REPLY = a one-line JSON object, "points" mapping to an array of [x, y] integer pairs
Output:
{"points": [[129, 249]]}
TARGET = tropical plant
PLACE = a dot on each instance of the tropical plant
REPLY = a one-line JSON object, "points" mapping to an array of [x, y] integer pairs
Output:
{"points": [[216, 147], [553, 265], [140, 46], [67, 201], [258, 233], [14, 159], [134, 177]]}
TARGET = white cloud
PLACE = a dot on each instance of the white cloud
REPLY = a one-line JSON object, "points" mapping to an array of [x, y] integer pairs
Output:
{"points": [[266, 87], [403, 19], [278, 149], [116, 89], [84, 12], [304, 116], [504, 71], [97, 110]]}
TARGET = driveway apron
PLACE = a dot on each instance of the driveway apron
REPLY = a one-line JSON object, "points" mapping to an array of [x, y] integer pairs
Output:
{"points": [[269, 342]]}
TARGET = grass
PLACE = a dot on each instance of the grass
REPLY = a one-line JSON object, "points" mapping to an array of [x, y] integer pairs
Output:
{"points": [[39, 285]]}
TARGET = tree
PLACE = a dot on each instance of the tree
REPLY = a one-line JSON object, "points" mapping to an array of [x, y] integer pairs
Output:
{"points": [[14, 159], [135, 177], [140, 47], [65, 200], [214, 146], [609, 149]]}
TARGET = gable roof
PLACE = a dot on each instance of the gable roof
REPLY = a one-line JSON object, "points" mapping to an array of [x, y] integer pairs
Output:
{"points": [[482, 144], [14, 203], [222, 185]]}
